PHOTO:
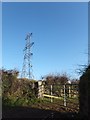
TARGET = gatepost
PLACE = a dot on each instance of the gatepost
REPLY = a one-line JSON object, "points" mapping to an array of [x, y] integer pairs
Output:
{"points": [[40, 89]]}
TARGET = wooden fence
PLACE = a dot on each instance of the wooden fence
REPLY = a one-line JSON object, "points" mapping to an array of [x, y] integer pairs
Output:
{"points": [[58, 91]]}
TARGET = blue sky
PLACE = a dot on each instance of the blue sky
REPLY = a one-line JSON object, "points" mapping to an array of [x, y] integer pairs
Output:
{"points": [[60, 34]]}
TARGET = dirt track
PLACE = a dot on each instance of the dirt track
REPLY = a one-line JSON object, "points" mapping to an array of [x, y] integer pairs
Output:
{"points": [[10, 113]]}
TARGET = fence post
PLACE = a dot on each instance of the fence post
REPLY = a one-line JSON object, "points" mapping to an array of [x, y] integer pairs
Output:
{"points": [[40, 89], [64, 95], [51, 94], [69, 91], [61, 92]]}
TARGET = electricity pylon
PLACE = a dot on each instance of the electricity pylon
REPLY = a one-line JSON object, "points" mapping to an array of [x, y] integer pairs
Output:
{"points": [[27, 66]]}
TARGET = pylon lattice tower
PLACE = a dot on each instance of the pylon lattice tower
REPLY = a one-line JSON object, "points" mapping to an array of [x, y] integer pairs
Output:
{"points": [[27, 66]]}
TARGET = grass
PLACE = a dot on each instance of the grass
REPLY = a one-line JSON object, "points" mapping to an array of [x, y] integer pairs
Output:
{"points": [[45, 103], [57, 105]]}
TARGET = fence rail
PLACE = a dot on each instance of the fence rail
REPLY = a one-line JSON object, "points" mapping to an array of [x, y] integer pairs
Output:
{"points": [[45, 95]]}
